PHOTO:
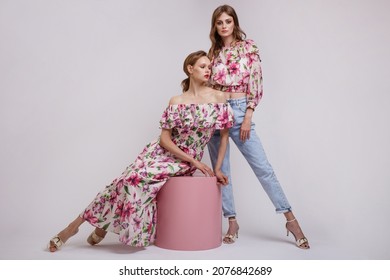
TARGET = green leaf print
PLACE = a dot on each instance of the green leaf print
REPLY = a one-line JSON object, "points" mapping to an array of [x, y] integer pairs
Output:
{"points": [[189, 141], [148, 200]]}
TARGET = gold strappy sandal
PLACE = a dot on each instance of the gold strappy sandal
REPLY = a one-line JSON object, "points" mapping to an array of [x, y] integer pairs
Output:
{"points": [[231, 238], [56, 242], [301, 243], [94, 239]]}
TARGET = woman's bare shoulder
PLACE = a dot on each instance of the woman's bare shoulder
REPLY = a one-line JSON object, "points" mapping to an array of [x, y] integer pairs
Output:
{"points": [[177, 99]]}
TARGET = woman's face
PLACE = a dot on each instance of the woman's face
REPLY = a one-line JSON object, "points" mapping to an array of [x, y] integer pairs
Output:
{"points": [[225, 25], [201, 70]]}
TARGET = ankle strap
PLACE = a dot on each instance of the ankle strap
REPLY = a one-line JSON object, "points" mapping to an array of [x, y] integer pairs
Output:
{"points": [[291, 220]]}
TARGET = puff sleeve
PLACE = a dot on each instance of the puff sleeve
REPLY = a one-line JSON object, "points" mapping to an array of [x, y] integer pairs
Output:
{"points": [[255, 83]]}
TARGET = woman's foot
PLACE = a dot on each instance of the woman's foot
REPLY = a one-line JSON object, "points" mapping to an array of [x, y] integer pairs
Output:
{"points": [[300, 239], [59, 240], [232, 233], [96, 236]]}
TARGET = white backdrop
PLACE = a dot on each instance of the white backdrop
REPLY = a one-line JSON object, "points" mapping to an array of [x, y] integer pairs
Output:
{"points": [[83, 85]]}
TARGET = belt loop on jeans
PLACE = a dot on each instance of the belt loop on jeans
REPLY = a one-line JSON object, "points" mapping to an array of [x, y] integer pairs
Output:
{"points": [[237, 101]]}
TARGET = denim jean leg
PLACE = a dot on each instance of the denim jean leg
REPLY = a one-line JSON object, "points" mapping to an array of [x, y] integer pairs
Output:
{"points": [[228, 207], [253, 151]]}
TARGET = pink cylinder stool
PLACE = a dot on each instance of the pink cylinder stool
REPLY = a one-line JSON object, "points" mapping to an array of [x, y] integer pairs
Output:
{"points": [[189, 214]]}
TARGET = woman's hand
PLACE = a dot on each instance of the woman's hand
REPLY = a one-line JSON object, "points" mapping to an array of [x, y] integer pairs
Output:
{"points": [[245, 129], [204, 168], [221, 178]]}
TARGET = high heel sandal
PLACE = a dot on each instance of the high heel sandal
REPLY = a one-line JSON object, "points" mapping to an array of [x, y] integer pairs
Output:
{"points": [[94, 239], [231, 238], [299, 242], [56, 242]]}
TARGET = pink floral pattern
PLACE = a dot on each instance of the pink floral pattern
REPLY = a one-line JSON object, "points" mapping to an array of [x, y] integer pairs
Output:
{"points": [[128, 205], [237, 69]]}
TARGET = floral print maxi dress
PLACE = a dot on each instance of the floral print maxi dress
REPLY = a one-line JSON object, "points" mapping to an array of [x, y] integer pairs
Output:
{"points": [[128, 206]]}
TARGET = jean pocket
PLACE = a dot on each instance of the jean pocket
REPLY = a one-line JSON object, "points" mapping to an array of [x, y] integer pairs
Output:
{"points": [[242, 108]]}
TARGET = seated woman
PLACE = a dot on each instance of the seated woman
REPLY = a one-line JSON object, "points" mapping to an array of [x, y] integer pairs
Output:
{"points": [[127, 206]]}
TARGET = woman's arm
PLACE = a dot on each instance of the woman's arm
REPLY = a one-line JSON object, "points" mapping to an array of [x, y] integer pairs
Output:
{"points": [[167, 143], [255, 91], [224, 138]]}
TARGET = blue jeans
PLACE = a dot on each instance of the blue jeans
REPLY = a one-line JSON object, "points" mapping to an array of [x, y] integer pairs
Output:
{"points": [[253, 151]]}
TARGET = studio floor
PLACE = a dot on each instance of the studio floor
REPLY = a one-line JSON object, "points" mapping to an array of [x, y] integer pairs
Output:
{"points": [[269, 244]]}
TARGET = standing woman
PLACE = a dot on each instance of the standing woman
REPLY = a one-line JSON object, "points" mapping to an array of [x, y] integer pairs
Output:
{"points": [[236, 71]]}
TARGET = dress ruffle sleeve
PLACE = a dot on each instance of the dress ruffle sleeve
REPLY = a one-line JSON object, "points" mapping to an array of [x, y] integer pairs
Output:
{"points": [[170, 118], [212, 115]]}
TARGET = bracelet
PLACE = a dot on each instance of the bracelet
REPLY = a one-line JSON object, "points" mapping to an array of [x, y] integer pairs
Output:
{"points": [[251, 106]]}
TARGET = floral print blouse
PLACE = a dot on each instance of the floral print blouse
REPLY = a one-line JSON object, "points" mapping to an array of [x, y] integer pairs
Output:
{"points": [[237, 69]]}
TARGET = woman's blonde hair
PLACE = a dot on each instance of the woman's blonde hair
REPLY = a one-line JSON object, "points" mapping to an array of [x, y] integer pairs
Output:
{"points": [[191, 59]]}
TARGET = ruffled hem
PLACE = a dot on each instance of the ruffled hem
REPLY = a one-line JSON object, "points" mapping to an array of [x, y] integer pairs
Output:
{"points": [[210, 115]]}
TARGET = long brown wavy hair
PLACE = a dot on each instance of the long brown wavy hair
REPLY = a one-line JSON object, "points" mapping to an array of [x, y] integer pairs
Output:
{"points": [[191, 59], [216, 40]]}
